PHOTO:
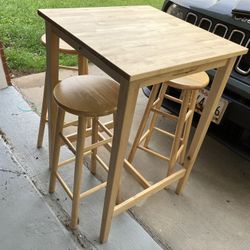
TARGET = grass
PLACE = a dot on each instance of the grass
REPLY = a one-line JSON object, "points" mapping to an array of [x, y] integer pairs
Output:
{"points": [[21, 29]]}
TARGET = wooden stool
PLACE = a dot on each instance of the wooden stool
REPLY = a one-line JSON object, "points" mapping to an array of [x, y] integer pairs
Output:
{"points": [[189, 86], [87, 97], [82, 70]]}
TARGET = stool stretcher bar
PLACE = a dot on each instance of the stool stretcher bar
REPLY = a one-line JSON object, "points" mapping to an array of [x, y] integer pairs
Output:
{"points": [[148, 192], [69, 124], [63, 163], [165, 114], [144, 136], [108, 146], [68, 67], [93, 190], [174, 99], [135, 173], [105, 167], [64, 185], [108, 125], [82, 195], [164, 132], [68, 143], [154, 153]]}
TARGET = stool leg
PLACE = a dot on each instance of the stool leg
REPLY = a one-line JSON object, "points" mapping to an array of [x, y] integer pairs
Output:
{"points": [[82, 70], [43, 118], [82, 65], [155, 115], [94, 140], [81, 133], [143, 122], [56, 150], [89, 124], [179, 131], [188, 124]]}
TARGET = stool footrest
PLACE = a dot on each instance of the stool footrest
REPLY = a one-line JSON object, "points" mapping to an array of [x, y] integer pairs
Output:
{"points": [[63, 163], [165, 114], [68, 124], [65, 186], [189, 114], [103, 164], [68, 67], [89, 148], [174, 99], [144, 136], [156, 102], [98, 144], [82, 195], [108, 125], [179, 152], [154, 153], [164, 132], [93, 190], [68, 143], [148, 192], [135, 173], [105, 129], [108, 146]]}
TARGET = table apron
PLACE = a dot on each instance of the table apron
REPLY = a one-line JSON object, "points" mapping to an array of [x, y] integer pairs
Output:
{"points": [[180, 73], [119, 75], [113, 72]]}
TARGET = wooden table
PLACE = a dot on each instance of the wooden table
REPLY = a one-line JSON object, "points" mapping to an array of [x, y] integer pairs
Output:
{"points": [[138, 46]]}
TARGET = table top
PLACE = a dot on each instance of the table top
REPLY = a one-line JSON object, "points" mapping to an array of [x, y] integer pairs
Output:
{"points": [[140, 41]]}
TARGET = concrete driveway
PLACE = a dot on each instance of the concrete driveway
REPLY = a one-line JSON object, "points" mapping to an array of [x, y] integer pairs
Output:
{"points": [[214, 210]]}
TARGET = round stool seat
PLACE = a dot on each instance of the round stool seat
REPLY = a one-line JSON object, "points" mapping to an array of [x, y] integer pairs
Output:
{"points": [[63, 46], [194, 81], [87, 95]]}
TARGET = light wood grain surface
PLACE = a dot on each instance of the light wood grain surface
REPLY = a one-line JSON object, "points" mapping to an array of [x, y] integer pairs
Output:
{"points": [[140, 41], [88, 95]]}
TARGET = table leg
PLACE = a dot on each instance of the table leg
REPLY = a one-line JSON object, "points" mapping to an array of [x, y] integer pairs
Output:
{"points": [[215, 93], [126, 107], [52, 56]]}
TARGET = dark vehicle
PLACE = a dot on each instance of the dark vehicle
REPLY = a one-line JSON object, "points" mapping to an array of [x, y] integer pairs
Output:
{"points": [[231, 124]]}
